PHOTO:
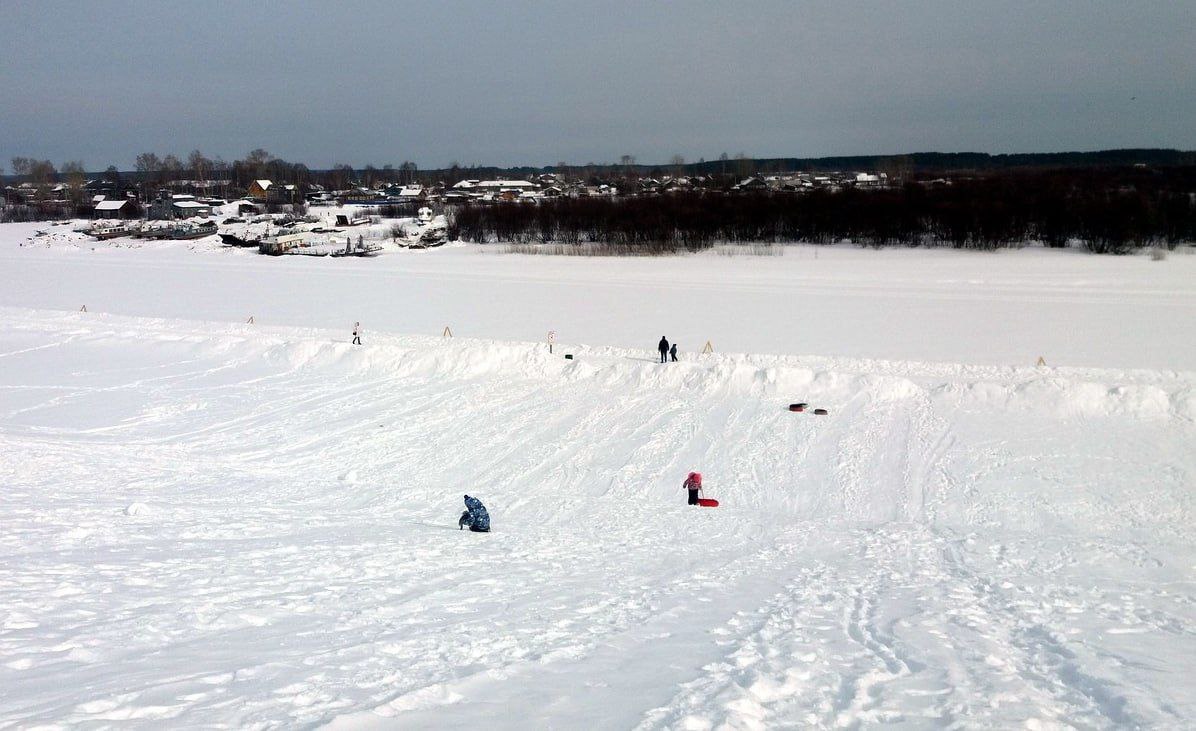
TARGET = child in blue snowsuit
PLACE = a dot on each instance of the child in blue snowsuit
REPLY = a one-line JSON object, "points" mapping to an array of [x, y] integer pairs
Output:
{"points": [[475, 516]]}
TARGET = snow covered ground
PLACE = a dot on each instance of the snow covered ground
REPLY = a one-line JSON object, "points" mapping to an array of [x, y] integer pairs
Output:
{"points": [[1004, 308], [210, 523]]}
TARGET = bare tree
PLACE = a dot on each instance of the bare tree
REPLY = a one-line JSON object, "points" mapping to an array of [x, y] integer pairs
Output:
{"points": [[199, 165], [76, 177], [42, 172], [342, 175], [172, 167], [678, 163], [407, 172], [147, 166], [257, 161], [221, 171], [147, 162], [20, 166], [744, 164], [300, 175]]}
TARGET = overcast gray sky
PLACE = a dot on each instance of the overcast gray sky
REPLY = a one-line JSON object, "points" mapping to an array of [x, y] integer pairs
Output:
{"points": [[516, 82]]}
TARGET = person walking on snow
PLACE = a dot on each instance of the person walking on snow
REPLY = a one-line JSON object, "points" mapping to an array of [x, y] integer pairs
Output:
{"points": [[357, 333], [673, 352], [663, 347], [475, 516], [693, 484]]}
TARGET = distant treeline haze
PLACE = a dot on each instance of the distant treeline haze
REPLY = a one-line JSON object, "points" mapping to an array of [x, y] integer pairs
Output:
{"points": [[1110, 211]]}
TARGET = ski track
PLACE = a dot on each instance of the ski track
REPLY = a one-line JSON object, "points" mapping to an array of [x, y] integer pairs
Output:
{"points": [[252, 531]]}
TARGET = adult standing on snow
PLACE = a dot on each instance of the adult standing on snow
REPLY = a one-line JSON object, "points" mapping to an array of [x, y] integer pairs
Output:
{"points": [[357, 333], [475, 516], [693, 484], [673, 352], [663, 347]]}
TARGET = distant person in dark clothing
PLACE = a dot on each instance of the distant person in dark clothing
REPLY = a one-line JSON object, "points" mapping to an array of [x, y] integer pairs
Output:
{"points": [[673, 352], [475, 516], [357, 333], [693, 484], [664, 349]]}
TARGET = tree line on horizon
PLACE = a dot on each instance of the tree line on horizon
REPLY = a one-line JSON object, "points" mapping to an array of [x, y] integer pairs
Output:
{"points": [[152, 168], [1108, 210]]}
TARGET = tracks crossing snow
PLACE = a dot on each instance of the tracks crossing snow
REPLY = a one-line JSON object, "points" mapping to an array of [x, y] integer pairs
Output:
{"points": [[258, 531]]}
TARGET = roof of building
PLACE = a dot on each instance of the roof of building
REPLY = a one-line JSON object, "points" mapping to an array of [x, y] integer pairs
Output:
{"points": [[190, 204], [509, 184], [113, 205], [264, 184]]}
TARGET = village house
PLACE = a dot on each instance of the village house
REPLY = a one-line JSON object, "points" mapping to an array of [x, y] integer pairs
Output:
{"points": [[267, 191], [169, 207], [259, 189], [115, 208], [871, 180], [494, 187], [243, 207], [404, 193], [751, 184]]}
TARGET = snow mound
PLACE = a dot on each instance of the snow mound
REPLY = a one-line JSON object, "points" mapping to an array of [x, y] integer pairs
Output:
{"points": [[134, 509], [1070, 397]]}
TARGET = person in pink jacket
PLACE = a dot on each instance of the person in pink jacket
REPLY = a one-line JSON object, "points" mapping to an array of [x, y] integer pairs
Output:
{"points": [[693, 484]]}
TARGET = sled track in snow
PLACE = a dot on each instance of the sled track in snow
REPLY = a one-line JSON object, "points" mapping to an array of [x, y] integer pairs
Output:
{"points": [[213, 525]]}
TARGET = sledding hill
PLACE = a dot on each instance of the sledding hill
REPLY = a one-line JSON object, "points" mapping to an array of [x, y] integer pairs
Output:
{"points": [[209, 524]]}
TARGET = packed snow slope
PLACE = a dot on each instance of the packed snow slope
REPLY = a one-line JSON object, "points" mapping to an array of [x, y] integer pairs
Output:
{"points": [[1004, 308], [207, 525]]}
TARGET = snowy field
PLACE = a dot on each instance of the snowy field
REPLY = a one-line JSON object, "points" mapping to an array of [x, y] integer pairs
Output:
{"points": [[1002, 308], [207, 523]]}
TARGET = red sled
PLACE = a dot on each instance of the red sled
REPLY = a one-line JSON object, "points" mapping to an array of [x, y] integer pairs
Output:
{"points": [[707, 502]]}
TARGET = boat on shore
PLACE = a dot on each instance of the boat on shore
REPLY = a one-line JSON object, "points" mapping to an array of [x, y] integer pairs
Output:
{"points": [[234, 240], [112, 230], [192, 231], [426, 231], [346, 220], [153, 232], [365, 248]]}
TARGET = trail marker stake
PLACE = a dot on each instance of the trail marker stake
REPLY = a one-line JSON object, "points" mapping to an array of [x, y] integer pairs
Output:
{"points": [[708, 349], [551, 340], [447, 332]]}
